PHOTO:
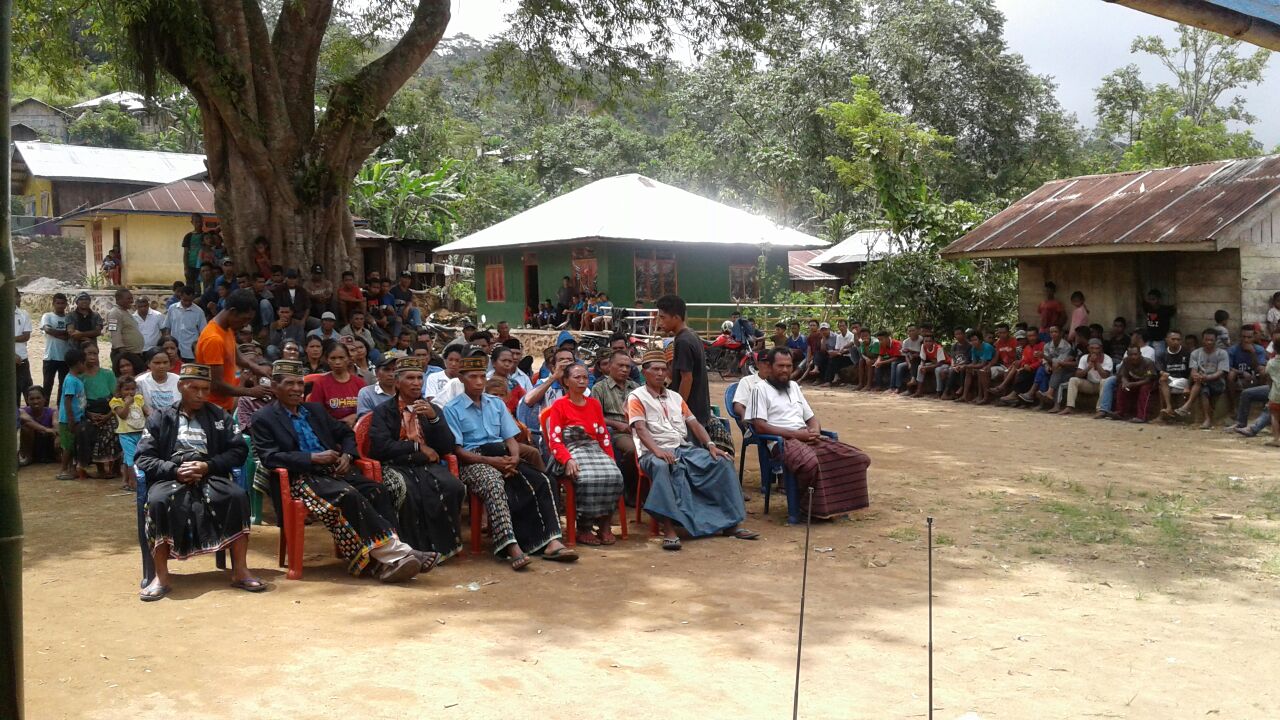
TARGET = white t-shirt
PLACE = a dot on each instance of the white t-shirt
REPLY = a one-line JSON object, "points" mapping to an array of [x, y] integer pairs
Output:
{"points": [[1107, 364], [21, 326], [155, 395], [909, 345], [433, 384], [150, 328], [784, 409], [844, 341], [452, 389], [742, 393], [54, 348]]}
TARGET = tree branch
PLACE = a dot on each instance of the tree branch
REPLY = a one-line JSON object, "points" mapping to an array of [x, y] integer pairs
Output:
{"points": [[296, 45], [370, 90]]}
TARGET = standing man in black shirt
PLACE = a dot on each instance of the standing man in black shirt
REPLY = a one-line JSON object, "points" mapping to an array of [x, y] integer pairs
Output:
{"points": [[1157, 319], [688, 366]]}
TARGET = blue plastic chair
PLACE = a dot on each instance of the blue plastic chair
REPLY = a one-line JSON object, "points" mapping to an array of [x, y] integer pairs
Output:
{"points": [[771, 468], [148, 564]]}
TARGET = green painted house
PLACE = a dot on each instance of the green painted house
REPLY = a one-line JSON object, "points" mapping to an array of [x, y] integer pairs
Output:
{"points": [[631, 237]]}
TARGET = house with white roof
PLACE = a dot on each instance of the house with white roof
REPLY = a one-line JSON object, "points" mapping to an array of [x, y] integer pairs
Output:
{"points": [[631, 237]]}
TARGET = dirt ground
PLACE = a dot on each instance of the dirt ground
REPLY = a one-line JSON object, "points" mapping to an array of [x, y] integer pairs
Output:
{"points": [[1084, 569]]}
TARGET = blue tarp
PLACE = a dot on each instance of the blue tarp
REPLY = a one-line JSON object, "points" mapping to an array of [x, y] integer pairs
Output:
{"points": [[1263, 9]]}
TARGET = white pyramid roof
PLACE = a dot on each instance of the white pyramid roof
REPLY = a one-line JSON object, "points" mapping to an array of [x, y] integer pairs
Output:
{"points": [[632, 208]]}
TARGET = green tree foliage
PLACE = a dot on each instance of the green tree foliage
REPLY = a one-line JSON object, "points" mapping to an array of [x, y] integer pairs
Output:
{"points": [[581, 149], [108, 126], [1144, 125], [921, 287], [405, 202]]}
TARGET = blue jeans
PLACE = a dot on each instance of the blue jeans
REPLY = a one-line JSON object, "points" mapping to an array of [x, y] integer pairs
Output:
{"points": [[883, 376], [1262, 423], [266, 313], [900, 374], [1107, 398], [415, 317], [1247, 399]]}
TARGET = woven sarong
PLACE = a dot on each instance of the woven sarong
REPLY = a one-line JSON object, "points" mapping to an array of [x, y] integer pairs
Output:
{"points": [[599, 481], [837, 473]]}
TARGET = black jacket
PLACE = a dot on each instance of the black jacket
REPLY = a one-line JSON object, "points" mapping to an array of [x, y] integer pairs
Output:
{"points": [[277, 444], [386, 446], [227, 449]]}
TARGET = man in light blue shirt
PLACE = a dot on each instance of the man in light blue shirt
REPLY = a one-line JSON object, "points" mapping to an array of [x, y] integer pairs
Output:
{"points": [[184, 322]]}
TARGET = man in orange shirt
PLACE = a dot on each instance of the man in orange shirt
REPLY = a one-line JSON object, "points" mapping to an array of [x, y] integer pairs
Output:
{"points": [[217, 349]]}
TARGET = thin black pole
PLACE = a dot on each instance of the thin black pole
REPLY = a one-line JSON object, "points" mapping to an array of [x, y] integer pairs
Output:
{"points": [[804, 583], [11, 705], [929, 522]]}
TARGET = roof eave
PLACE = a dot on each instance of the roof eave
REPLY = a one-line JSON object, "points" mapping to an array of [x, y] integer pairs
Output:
{"points": [[447, 250], [1200, 246]]}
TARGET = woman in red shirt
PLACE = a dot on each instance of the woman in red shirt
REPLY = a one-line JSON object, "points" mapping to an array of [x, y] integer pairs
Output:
{"points": [[338, 388], [579, 441]]}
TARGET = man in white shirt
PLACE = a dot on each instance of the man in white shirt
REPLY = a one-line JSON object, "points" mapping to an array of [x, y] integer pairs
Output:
{"points": [[1092, 370], [742, 393], [837, 473], [21, 334], [149, 323], [57, 341], [838, 353]]}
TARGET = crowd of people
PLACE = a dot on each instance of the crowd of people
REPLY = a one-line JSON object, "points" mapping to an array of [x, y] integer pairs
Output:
{"points": [[1141, 372], [190, 391]]}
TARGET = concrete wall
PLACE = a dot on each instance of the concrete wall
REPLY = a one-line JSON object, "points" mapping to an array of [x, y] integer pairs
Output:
{"points": [[151, 246], [1197, 283]]}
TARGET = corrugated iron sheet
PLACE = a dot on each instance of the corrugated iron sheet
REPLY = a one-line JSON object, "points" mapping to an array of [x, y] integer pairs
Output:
{"points": [[1169, 206], [798, 267], [177, 198]]}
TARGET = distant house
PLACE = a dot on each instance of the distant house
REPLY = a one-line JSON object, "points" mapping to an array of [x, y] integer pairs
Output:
{"points": [[1207, 236], [32, 119], [631, 237], [803, 276], [132, 103], [846, 258], [147, 226], [53, 180]]}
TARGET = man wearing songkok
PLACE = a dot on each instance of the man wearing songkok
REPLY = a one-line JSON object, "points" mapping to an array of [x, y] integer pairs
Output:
{"points": [[187, 453], [408, 436], [692, 486], [612, 392], [317, 450], [837, 472], [516, 493]]}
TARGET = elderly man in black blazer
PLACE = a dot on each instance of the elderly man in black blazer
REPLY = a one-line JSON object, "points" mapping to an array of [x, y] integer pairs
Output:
{"points": [[318, 451]]}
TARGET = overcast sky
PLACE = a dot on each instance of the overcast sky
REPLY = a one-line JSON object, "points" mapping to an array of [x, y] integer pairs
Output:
{"points": [[1075, 41]]}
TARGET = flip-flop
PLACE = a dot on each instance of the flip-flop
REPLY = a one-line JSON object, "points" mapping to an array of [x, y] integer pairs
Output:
{"points": [[253, 585], [520, 562], [429, 559], [672, 544], [150, 594], [65, 476], [564, 555], [607, 537], [588, 538], [742, 534]]}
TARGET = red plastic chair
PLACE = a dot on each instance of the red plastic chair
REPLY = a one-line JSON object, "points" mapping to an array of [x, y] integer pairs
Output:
{"points": [[570, 502], [641, 481], [372, 469]]}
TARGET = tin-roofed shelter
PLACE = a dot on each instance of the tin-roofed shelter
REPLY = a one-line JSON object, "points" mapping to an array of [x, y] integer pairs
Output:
{"points": [[147, 226], [1207, 236], [846, 258], [803, 276], [631, 237]]}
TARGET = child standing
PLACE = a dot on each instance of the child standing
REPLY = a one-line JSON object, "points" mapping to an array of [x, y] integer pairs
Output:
{"points": [[130, 420], [159, 387], [71, 414]]}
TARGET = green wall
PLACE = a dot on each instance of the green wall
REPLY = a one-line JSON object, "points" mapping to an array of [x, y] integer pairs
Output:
{"points": [[702, 274]]}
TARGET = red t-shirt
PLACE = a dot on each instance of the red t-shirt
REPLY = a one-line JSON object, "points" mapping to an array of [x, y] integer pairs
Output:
{"points": [[1051, 313], [894, 349], [339, 398], [1031, 356], [1007, 350]]}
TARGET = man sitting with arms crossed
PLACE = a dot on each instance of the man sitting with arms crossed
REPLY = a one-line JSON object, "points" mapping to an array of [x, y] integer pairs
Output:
{"points": [[693, 486], [317, 450], [1209, 367], [193, 507], [836, 472], [612, 392]]}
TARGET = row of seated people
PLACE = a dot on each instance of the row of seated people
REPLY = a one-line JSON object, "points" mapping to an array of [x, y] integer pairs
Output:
{"points": [[408, 523]]}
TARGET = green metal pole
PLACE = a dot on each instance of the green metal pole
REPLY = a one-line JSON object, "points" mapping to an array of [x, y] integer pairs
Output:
{"points": [[10, 513]]}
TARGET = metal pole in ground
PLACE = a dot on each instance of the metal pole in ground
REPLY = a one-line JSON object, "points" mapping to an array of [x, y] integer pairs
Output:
{"points": [[10, 512]]}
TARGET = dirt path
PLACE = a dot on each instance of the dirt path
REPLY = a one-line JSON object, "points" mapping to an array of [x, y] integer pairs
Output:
{"points": [[1081, 573]]}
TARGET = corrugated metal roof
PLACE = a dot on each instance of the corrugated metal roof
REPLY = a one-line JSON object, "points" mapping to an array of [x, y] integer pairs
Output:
{"points": [[367, 233], [1169, 207], [131, 101], [859, 247], [798, 267], [635, 208], [79, 162], [177, 198]]}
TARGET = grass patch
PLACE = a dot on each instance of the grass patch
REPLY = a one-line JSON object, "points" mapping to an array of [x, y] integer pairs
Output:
{"points": [[1269, 501], [1271, 565], [1090, 524], [1254, 533], [1173, 505], [1172, 534], [1039, 550], [943, 540], [905, 533]]}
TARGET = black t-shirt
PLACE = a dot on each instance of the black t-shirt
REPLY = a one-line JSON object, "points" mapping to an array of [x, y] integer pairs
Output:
{"points": [[1156, 321], [1177, 364], [687, 357], [400, 293]]}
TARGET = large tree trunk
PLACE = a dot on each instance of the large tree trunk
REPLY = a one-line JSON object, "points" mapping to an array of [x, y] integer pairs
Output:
{"points": [[277, 171]]}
